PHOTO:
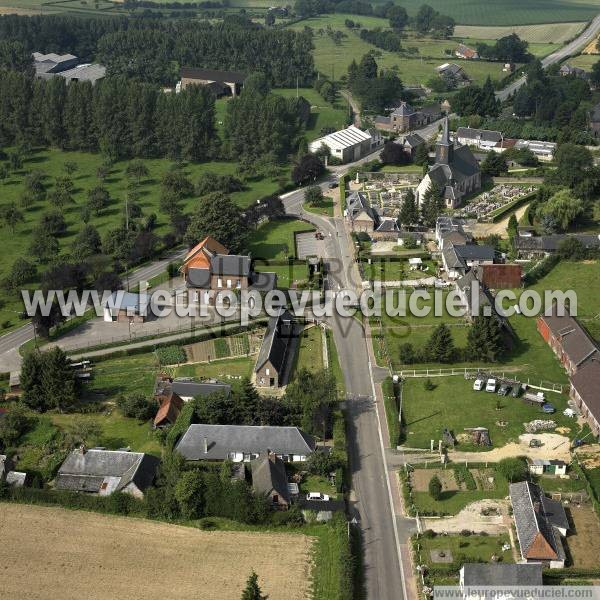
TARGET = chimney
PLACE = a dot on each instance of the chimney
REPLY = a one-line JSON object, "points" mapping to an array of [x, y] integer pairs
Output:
{"points": [[205, 445], [82, 449], [536, 506], [271, 456]]}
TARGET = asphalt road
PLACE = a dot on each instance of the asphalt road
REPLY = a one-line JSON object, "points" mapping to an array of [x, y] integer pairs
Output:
{"points": [[372, 504], [571, 48]]}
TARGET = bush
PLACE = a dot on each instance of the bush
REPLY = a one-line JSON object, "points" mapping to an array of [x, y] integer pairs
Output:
{"points": [[513, 469], [429, 385], [435, 488], [321, 463], [466, 532], [429, 534], [136, 406]]}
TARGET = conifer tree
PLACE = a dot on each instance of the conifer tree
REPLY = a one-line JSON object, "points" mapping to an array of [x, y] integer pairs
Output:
{"points": [[252, 590]]}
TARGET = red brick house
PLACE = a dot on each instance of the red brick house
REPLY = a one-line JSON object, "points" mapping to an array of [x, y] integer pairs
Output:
{"points": [[585, 392]]}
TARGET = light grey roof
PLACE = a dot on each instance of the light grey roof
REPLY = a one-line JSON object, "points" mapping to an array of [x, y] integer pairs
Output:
{"points": [[122, 300], [531, 522], [485, 135], [275, 344], [268, 475], [198, 278], [498, 574], [230, 264], [86, 471], [186, 388], [224, 439], [88, 72]]}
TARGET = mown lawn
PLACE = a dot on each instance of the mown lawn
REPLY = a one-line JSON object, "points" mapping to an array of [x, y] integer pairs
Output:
{"points": [[324, 208], [275, 239], [225, 370], [51, 164], [463, 548], [286, 274], [453, 404], [310, 351]]}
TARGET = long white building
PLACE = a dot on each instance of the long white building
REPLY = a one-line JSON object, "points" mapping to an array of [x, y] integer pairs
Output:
{"points": [[349, 144]]}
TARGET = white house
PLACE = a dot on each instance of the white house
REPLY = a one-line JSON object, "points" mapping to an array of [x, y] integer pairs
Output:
{"points": [[540, 466], [484, 139], [349, 144], [543, 150], [124, 306]]}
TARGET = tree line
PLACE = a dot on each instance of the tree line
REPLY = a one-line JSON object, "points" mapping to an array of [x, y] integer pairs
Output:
{"points": [[154, 50]]}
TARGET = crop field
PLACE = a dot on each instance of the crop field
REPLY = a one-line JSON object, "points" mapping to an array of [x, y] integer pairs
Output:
{"points": [[552, 33], [131, 558]]}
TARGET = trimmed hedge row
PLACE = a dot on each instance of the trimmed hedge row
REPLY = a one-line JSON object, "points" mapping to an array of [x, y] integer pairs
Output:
{"points": [[511, 206]]}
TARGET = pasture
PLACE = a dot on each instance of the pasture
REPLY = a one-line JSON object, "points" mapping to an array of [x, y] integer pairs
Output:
{"points": [[124, 555], [584, 61]]}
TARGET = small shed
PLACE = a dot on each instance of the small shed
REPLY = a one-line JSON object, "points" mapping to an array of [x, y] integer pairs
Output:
{"points": [[415, 263], [540, 466]]}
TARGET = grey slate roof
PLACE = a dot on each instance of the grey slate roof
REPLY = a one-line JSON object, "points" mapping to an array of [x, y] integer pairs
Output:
{"points": [[388, 226], [498, 574], [413, 140], [574, 339], [268, 475], [475, 252], [224, 439], [555, 512], [122, 300], [230, 264], [404, 110], [186, 388], [356, 202], [485, 135], [275, 344], [213, 75], [85, 472], [198, 278], [531, 523], [586, 380], [381, 120]]}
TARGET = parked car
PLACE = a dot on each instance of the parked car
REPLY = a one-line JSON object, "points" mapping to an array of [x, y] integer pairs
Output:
{"points": [[548, 408], [478, 385], [535, 443], [318, 496], [516, 391], [490, 386], [504, 389]]}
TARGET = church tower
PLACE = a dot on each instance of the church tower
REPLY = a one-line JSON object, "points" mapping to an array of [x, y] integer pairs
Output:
{"points": [[444, 150]]}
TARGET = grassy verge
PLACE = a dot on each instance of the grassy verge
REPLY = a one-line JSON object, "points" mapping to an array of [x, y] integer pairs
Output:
{"points": [[390, 401], [275, 239]]}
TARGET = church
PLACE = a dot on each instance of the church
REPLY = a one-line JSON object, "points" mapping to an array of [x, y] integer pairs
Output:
{"points": [[456, 171]]}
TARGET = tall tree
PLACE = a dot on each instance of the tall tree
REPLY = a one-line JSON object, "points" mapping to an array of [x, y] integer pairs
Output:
{"points": [[409, 211], [440, 346]]}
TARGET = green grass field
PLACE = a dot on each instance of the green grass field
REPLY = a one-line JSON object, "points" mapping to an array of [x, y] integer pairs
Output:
{"points": [[286, 274], [455, 405], [584, 61], [275, 239], [51, 164], [333, 59]]}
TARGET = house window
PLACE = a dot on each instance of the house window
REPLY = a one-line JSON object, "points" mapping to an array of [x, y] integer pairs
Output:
{"points": [[267, 372], [219, 282], [238, 284]]}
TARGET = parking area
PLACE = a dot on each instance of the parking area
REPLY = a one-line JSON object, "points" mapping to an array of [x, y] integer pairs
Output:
{"points": [[307, 244]]}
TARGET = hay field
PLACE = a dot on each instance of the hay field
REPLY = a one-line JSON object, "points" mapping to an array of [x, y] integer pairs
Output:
{"points": [[58, 553], [554, 33], [592, 47]]}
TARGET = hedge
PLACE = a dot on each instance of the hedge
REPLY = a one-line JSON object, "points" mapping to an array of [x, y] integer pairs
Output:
{"points": [[500, 213], [541, 269], [181, 425], [391, 404]]}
